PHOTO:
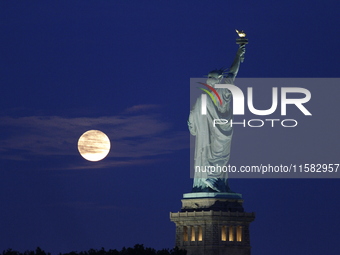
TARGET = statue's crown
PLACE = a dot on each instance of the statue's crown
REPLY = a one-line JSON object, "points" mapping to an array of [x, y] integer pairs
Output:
{"points": [[221, 71]]}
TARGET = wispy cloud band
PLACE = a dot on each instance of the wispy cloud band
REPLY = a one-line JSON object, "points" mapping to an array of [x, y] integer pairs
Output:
{"points": [[131, 136]]}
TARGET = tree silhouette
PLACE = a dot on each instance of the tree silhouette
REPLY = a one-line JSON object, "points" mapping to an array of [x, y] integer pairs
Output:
{"points": [[138, 249]]}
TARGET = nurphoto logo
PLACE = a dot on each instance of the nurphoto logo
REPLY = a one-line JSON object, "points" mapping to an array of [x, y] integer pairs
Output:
{"points": [[239, 104]]}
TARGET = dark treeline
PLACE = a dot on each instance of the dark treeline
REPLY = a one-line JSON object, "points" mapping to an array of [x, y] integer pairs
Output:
{"points": [[138, 249]]}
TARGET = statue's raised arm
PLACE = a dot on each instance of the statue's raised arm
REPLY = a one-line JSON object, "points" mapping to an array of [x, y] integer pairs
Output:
{"points": [[233, 70]]}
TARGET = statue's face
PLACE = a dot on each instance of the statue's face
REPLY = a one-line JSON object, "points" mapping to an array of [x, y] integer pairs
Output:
{"points": [[214, 78]]}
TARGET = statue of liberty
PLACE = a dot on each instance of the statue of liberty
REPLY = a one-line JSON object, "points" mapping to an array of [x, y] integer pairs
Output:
{"points": [[212, 144]]}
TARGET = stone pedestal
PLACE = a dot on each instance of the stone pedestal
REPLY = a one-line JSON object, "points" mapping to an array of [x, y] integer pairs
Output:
{"points": [[213, 224]]}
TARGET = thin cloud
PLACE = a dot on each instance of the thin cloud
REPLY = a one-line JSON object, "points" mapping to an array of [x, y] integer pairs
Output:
{"points": [[142, 107], [131, 136], [111, 163]]}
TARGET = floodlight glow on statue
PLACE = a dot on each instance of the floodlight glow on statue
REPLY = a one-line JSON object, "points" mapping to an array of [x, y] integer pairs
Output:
{"points": [[212, 144]]}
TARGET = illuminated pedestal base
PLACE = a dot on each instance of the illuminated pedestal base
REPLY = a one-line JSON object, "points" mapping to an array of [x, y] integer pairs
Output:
{"points": [[213, 224]]}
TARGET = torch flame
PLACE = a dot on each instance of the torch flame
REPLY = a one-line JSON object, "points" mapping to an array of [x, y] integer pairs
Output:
{"points": [[241, 33]]}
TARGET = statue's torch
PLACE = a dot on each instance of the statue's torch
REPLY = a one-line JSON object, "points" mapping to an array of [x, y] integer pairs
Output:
{"points": [[241, 40]]}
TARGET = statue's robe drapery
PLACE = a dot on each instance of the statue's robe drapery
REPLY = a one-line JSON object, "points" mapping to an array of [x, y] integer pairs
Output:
{"points": [[212, 146]]}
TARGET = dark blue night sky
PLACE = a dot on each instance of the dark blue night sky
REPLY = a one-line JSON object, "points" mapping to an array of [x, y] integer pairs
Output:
{"points": [[124, 67]]}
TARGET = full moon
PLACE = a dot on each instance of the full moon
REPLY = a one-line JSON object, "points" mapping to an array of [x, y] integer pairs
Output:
{"points": [[94, 145]]}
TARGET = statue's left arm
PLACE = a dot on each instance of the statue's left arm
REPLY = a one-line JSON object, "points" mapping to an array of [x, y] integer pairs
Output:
{"points": [[191, 123]]}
